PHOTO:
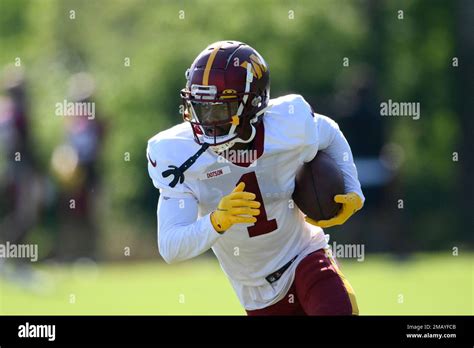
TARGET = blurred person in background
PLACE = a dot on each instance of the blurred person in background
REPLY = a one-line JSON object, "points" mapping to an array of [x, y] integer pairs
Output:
{"points": [[75, 166], [20, 180]]}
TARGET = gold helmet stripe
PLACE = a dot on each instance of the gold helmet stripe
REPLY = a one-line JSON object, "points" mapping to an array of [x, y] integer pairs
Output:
{"points": [[207, 69]]}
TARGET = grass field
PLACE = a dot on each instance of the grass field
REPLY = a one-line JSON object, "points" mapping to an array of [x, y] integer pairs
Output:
{"points": [[427, 284]]}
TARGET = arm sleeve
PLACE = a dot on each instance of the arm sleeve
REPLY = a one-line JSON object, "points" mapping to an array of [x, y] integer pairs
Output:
{"points": [[181, 235], [324, 134]]}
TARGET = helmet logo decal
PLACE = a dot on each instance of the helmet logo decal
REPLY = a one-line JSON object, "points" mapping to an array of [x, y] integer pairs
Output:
{"points": [[232, 93], [258, 67]]}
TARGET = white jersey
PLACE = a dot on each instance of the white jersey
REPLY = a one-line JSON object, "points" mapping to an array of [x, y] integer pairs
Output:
{"points": [[289, 135]]}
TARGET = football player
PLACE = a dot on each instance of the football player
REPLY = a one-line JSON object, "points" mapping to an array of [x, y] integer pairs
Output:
{"points": [[240, 206]]}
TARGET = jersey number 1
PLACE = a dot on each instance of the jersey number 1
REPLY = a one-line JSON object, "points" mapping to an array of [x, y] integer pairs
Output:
{"points": [[263, 225]]}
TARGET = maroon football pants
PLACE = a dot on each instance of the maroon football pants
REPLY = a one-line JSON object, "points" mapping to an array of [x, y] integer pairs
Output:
{"points": [[319, 288]]}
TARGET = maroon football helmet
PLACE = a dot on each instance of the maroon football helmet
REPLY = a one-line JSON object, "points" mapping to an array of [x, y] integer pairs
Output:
{"points": [[227, 91]]}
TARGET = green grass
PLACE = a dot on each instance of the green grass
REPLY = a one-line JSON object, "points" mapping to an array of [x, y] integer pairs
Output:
{"points": [[429, 284]]}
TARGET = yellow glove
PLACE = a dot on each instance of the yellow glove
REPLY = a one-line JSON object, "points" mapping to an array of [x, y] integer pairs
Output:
{"points": [[351, 202], [236, 208]]}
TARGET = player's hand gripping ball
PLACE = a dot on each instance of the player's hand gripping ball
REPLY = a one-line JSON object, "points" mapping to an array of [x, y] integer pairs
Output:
{"points": [[319, 193], [351, 202]]}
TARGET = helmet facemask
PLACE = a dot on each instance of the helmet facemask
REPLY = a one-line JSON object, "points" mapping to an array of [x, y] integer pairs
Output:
{"points": [[221, 119]]}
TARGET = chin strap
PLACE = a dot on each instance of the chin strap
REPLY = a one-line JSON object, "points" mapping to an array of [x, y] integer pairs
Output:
{"points": [[254, 130], [223, 147], [178, 172]]}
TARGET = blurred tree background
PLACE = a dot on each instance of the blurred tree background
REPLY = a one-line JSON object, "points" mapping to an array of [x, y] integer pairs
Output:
{"points": [[345, 57]]}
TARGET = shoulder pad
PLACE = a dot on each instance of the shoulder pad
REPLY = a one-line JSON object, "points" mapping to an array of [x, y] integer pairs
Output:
{"points": [[287, 121], [169, 149]]}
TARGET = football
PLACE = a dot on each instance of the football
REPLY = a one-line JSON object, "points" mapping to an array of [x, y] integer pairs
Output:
{"points": [[316, 184]]}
